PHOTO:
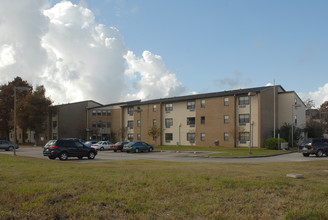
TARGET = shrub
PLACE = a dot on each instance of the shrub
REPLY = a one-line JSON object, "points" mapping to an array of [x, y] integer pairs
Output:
{"points": [[272, 143]]}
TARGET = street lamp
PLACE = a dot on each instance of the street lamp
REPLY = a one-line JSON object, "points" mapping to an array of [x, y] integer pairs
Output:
{"points": [[293, 121], [20, 88]]}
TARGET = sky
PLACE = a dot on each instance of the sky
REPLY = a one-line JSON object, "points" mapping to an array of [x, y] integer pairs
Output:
{"points": [[118, 50]]}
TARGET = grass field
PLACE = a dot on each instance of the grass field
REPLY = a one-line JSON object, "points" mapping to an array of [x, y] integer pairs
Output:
{"points": [[44, 189], [225, 151]]}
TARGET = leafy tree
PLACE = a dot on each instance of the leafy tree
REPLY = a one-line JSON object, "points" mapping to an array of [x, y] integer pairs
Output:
{"points": [[7, 104], [155, 131], [314, 130], [285, 132], [33, 111], [323, 115]]}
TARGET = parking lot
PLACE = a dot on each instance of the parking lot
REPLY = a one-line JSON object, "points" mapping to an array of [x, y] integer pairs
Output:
{"points": [[182, 156]]}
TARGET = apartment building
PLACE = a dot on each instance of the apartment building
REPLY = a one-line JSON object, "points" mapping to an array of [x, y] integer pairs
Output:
{"points": [[236, 118]]}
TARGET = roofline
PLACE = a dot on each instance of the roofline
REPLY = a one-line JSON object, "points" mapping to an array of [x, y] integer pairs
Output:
{"points": [[118, 103], [73, 103], [207, 95]]}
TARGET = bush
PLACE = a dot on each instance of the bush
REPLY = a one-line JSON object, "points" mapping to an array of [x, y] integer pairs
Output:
{"points": [[272, 143]]}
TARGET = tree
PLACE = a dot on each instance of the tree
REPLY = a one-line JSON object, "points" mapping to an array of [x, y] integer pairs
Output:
{"points": [[155, 131], [314, 130], [323, 115], [309, 104], [7, 104], [285, 132], [33, 111]]}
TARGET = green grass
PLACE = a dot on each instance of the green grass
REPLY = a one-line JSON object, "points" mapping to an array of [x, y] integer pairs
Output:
{"points": [[225, 151], [44, 189]]}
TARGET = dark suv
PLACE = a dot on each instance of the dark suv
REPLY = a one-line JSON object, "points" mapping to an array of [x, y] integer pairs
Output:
{"points": [[317, 146], [64, 148]]}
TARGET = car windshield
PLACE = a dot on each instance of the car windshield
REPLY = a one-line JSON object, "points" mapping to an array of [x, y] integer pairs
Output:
{"points": [[118, 143]]}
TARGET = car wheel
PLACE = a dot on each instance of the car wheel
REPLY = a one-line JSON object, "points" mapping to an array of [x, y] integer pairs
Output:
{"points": [[80, 157], [151, 149], [136, 150], [63, 156], [52, 157], [319, 153], [101, 148], [10, 148], [115, 150], [91, 155], [306, 155]]}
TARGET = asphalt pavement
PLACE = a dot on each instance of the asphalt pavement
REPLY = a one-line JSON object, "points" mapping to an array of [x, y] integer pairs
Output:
{"points": [[173, 156]]}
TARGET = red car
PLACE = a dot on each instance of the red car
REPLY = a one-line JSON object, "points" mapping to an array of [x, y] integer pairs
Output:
{"points": [[117, 146]]}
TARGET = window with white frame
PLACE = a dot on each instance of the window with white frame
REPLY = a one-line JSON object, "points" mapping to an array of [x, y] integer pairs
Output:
{"points": [[243, 100], [202, 120], [130, 137], [202, 136], [130, 111], [154, 122], [243, 137], [191, 105], [168, 122], [202, 103], [154, 108], [243, 119], [191, 121], [169, 107], [109, 112], [226, 101], [226, 136], [138, 123], [168, 137], [94, 112], [104, 113], [226, 119], [130, 124], [191, 137], [139, 136]]}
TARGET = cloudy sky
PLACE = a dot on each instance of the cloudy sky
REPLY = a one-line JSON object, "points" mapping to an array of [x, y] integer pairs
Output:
{"points": [[118, 50]]}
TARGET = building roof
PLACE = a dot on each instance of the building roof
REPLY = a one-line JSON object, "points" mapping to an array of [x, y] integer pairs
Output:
{"points": [[206, 95]]}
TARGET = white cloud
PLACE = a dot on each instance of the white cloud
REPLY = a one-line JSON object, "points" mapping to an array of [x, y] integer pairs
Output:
{"points": [[319, 96], [75, 58], [155, 80]]}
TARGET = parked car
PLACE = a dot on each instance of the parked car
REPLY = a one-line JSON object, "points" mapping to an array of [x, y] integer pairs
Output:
{"points": [[137, 147], [89, 143], [102, 145], [64, 148], [317, 146], [7, 145], [117, 146]]}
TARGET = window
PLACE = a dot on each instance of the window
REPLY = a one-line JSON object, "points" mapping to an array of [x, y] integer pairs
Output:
{"points": [[109, 124], [54, 135], [168, 107], [54, 124], [94, 124], [191, 122], [104, 124], [130, 124], [130, 137], [202, 104], [226, 136], [154, 108], [103, 113], [295, 120], [202, 137], [226, 101], [98, 113], [168, 122], [243, 137], [244, 100], [94, 112], [109, 112], [243, 119], [191, 137], [138, 123], [139, 136], [154, 137], [191, 105], [226, 119], [168, 137], [99, 124], [130, 111], [202, 120], [154, 122]]}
